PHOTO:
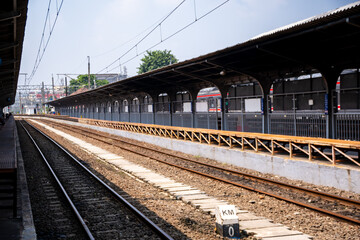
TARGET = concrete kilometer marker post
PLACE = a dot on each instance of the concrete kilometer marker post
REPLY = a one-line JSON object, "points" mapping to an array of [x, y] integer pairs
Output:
{"points": [[227, 222]]}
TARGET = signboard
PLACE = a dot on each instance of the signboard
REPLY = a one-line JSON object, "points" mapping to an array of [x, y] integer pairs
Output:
{"points": [[201, 106], [253, 105], [187, 107], [326, 104], [227, 222], [150, 108]]}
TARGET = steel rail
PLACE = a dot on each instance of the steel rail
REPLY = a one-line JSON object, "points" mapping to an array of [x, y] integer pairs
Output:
{"points": [[161, 233], [79, 217], [324, 211], [239, 173]]}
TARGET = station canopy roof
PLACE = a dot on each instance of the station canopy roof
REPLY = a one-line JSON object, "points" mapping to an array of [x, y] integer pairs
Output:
{"points": [[327, 43], [12, 27]]}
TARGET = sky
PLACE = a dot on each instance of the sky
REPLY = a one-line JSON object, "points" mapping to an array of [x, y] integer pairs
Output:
{"points": [[107, 29]]}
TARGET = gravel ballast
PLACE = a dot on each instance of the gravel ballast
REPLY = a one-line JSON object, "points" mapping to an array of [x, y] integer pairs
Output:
{"points": [[297, 218]]}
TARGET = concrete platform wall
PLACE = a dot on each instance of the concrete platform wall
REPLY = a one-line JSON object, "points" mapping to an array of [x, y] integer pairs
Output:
{"points": [[344, 178]]}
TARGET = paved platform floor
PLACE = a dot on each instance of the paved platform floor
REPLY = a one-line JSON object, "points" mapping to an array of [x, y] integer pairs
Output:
{"points": [[21, 226]]}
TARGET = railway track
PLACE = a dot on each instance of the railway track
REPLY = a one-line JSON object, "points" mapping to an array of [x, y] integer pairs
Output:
{"points": [[332, 205], [101, 211]]}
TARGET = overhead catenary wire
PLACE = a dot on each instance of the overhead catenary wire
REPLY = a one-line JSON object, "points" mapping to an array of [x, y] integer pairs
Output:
{"points": [[163, 40], [43, 44], [127, 41], [43, 34], [131, 39], [142, 39]]}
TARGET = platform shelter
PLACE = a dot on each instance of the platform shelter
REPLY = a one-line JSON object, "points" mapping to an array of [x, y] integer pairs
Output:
{"points": [[301, 79]]}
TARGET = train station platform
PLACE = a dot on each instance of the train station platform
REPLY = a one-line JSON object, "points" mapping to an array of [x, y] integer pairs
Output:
{"points": [[16, 220], [327, 162]]}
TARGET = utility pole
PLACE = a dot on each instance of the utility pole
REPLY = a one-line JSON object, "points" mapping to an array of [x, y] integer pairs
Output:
{"points": [[89, 72], [52, 77], [20, 103], [43, 97], [25, 74], [66, 89], [25, 78]]}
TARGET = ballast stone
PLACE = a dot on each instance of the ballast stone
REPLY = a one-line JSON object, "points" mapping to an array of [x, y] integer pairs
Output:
{"points": [[275, 232]]}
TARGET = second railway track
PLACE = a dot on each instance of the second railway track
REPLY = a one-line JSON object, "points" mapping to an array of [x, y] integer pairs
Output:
{"points": [[332, 205], [103, 213]]}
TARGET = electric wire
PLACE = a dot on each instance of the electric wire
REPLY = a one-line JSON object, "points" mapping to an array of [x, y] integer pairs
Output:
{"points": [[43, 34], [126, 42], [120, 45], [42, 42], [163, 40], [131, 39], [142, 39]]}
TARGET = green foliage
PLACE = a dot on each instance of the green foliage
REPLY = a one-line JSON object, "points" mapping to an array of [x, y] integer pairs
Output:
{"points": [[156, 59], [82, 81]]}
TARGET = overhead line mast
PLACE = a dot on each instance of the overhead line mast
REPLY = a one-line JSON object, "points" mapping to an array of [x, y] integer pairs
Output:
{"points": [[89, 73]]}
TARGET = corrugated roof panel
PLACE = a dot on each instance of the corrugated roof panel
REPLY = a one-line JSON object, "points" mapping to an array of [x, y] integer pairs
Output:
{"points": [[308, 20]]}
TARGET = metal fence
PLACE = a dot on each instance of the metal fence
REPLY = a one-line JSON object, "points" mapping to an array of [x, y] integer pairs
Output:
{"points": [[244, 114], [163, 118], [124, 117], [244, 122], [102, 115], [299, 114], [147, 117], [182, 119], [115, 114], [208, 113], [347, 125], [307, 124], [135, 117], [108, 116], [182, 114], [208, 120], [346, 120], [162, 113], [310, 123]]}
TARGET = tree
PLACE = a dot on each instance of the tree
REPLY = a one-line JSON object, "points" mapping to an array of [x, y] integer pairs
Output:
{"points": [[156, 59], [82, 82]]}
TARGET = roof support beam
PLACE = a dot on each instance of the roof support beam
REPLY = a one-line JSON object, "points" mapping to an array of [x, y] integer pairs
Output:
{"points": [[232, 69], [280, 55], [196, 77], [7, 62], [9, 15], [222, 88], [167, 82], [10, 71], [5, 46], [348, 21]]}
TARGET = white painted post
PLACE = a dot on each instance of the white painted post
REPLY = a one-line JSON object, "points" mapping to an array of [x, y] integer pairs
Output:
{"points": [[227, 222]]}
